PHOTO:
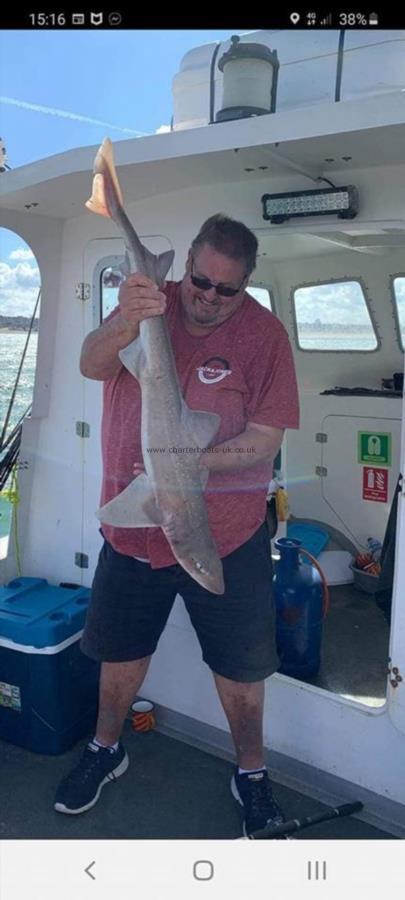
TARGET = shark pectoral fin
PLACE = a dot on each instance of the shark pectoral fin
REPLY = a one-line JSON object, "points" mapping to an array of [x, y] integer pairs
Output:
{"points": [[133, 358], [163, 263], [201, 426], [135, 507]]}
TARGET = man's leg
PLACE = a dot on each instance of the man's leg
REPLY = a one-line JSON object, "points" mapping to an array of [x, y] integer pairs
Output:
{"points": [[119, 685], [243, 705], [104, 759], [236, 632], [129, 607]]}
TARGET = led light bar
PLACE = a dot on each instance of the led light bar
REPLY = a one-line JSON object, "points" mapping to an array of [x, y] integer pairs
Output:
{"points": [[340, 201]]}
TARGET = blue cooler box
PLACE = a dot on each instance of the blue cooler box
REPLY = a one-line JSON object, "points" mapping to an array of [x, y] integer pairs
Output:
{"points": [[48, 687]]}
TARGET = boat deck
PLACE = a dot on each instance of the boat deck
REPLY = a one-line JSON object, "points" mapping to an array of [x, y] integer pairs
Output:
{"points": [[171, 790]]}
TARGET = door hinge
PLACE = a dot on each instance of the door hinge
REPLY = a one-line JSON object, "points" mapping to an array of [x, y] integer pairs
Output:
{"points": [[321, 471], [321, 437], [83, 290], [83, 429], [395, 675], [82, 560]]}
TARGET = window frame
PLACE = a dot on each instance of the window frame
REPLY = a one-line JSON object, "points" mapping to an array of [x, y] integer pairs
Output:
{"points": [[395, 308], [327, 282], [106, 262], [264, 287]]}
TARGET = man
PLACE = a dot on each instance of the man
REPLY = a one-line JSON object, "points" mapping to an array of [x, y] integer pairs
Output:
{"points": [[233, 357]]}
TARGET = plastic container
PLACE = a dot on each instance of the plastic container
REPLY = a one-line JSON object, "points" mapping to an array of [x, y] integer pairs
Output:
{"points": [[375, 548], [311, 537], [143, 718], [336, 566], [298, 597], [48, 687], [364, 581]]}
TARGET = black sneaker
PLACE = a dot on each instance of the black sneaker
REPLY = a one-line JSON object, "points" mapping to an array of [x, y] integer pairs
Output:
{"points": [[81, 789], [253, 791]]}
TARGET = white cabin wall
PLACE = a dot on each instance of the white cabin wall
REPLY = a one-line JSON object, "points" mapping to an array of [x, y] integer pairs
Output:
{"points": [[311, 496]]}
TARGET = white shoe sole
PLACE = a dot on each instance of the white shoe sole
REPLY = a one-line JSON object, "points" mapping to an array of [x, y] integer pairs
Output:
{"points": [[60, 807], [235, 793]]}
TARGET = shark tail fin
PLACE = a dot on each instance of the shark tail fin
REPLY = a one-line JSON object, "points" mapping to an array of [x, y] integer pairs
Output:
{"points": [[104, 166], [97, 202]]}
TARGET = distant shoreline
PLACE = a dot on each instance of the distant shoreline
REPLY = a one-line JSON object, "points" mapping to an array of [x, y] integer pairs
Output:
{"points": [[17, 324], [16, 331]]}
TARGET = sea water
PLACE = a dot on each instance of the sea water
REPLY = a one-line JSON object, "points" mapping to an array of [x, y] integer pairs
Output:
{"points": [[11, 349]]}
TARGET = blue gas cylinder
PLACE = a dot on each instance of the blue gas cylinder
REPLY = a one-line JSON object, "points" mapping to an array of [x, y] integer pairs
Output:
{"points": [[298, 597]]}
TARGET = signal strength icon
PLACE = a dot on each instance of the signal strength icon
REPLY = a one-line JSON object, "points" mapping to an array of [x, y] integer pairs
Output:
{"points": [[327, 20]]}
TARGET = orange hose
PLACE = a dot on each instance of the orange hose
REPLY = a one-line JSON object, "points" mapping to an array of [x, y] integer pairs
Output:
{"points": [[325, 597]]}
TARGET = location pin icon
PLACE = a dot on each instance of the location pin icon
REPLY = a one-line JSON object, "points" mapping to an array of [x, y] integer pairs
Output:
{"points": [[295, 17]]}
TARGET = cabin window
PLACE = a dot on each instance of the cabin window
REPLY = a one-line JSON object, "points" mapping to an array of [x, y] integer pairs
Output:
{"points": [[262, 295], [333, 316], [399, 297], [20, 290], [110, 280]]}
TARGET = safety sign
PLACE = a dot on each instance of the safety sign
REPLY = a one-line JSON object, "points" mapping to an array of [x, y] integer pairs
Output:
{"points": [[374, 447], [375, 484]]}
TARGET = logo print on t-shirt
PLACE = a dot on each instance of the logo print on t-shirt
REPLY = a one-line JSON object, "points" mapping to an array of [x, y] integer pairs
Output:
{"points": [[214, 370]]}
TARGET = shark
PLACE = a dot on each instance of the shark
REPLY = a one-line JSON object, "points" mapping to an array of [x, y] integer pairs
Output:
{"points": [[169, 494]]}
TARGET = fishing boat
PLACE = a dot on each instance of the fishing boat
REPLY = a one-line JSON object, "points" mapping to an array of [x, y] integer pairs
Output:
{"points": [[302, 137]]}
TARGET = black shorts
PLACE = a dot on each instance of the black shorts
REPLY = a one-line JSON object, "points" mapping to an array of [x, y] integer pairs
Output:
{"points": [[130, 604]]}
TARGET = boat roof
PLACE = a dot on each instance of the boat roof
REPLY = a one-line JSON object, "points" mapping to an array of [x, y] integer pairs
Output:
{"points": [[274, 144]]}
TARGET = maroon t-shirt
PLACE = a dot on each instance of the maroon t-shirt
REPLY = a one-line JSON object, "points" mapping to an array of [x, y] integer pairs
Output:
{"points": [[242, 370]]}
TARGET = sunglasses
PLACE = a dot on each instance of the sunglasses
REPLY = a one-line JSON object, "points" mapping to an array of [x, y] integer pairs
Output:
{"points": [[204, 284]]}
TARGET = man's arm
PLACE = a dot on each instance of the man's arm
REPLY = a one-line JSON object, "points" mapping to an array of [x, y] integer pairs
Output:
{"points": [[99, 355], [257, 443], [139, 298]]}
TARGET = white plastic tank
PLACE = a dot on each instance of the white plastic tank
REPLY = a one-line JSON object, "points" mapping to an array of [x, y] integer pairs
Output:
{"points": [[373, 63]]}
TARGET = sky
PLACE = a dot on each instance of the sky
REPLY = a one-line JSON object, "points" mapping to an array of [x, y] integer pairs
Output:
{"points": [[60, 90]]}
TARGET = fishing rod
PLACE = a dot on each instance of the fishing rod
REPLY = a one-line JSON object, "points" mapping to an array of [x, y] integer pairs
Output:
{"points": [[282, 831]]}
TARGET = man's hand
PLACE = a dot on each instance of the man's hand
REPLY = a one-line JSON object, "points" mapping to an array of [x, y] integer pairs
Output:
{"points": [[139, 298]]}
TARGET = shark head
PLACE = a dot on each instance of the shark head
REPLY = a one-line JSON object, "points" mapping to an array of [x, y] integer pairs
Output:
{"points": [[200, 559], [208, 573]]}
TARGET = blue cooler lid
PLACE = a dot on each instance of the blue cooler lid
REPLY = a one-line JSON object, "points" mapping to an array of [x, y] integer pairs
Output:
{"points": [[36, 614], [313, 538]]}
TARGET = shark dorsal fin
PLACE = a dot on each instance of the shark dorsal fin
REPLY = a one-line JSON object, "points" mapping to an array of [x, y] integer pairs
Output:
{"points": [[164, 262]]}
